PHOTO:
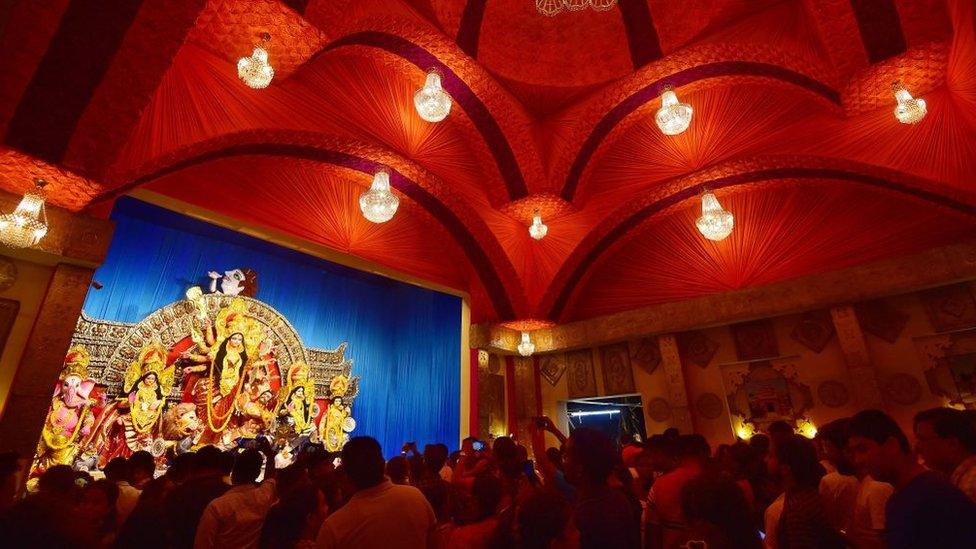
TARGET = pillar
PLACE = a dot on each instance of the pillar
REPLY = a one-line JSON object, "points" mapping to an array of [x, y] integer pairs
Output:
{"points": [[40, 365], [864, 379], [677, 391]]}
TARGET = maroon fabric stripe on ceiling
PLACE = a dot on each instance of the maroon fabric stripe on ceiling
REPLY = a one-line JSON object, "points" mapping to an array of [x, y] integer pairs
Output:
{"points": [[880, 28], [80, 52], [470, 29], [297, 5], [641, 34]]}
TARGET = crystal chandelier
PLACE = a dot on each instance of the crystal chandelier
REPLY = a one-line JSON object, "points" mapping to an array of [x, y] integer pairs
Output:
{"points": [[714, 223], [255, 71], [538, 229], [432, 102], [28, 224], [379, 204], [526, 347], [909, 110], [553, 7], [673, 117]]}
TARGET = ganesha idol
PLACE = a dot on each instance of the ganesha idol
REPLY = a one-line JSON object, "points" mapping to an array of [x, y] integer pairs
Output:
{"points": [[134, 421], [72, 414]]}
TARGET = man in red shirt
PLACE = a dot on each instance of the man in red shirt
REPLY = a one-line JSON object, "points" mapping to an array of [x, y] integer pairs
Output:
{"points": [[666, 523]]}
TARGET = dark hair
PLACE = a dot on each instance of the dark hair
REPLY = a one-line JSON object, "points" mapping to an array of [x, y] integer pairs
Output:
{"points": [[159, 390], [759, 443], [799, 455], [779, 428], [950, 423], [218, 362], [594, 452], [227, 459], [879, 427], [142, 461], [718, 501], [183, 466], [836, 433], [59, 479], [487, 492], [210, 458], [398, 469], [247, 467], [285, 521], [543, 518], [693, 446], [117, 469], [362, 459], [111, 492]]}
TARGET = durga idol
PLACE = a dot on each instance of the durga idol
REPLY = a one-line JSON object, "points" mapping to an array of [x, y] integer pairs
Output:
{"points": [[71, 416], [222, 355]]}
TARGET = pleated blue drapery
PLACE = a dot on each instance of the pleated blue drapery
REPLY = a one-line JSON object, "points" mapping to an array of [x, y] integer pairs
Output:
{"points": [[404, 340]]}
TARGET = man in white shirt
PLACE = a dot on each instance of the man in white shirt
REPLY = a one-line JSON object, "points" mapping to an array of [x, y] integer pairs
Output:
{"points": [[235, 519], [380, 514]]}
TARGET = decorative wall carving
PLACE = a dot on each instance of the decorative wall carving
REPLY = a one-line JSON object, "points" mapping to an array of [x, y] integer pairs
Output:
{"points": [[902, 389], [949, 362], [696, 348], [766, 391], [8, 314], [675, 377], [814, 330], [950, 307], [581, 379], [8, 273], [879, 319], [552, 367], [491, 404], [659, 409], [709, 405], [864, 381], [645, 354], [618, 378], [833, 394], [755, 340]]}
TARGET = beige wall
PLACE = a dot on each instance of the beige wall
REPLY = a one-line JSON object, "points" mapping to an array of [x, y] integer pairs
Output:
{"points": [[812, 370], [28, 289]]}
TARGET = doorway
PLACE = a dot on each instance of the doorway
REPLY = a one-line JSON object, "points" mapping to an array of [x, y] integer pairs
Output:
{"points": [[614, 416]]}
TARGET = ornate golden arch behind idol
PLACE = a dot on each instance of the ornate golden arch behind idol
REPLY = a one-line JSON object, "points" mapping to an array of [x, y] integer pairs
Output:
{"points": [[114, 345]]}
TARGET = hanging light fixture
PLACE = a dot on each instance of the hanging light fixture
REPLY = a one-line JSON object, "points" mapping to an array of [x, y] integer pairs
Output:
{"points": [[551, 8], [714, 223], [909, 109], [538, 229], [673, 117], [526, 347], [255, 71], [432, 102], [379, 204], [28, 224]]}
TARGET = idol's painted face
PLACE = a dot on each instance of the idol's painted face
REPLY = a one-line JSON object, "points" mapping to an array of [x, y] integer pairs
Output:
{"points": [[70, 385], [232, 282], [151, 381], [300, 394], [236, 340]]}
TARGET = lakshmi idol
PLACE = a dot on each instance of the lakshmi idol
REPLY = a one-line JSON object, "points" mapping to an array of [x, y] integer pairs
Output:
{"points": [[135, 421], [71, 416]]}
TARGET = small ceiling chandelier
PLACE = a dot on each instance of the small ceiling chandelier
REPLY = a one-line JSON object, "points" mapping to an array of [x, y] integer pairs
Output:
{"points": [[551, 8], [526, 347], [673, 117], [432, 102], [255, 71], [538, 229], [379, 204], [28, 224], [714, 223], [909, 109]]}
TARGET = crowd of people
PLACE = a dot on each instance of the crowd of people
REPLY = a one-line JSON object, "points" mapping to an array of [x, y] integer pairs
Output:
{"points": [[860, 483]]}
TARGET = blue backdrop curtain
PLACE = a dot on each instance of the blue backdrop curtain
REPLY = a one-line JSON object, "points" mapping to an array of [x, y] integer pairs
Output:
{"points": [[404, 340]]}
